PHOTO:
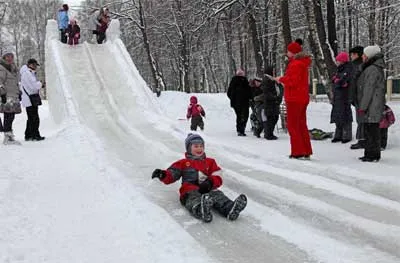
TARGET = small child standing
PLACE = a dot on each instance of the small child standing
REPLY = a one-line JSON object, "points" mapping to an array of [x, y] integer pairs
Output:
{"points": [[387, 120], [200, 180], [195, 111]]}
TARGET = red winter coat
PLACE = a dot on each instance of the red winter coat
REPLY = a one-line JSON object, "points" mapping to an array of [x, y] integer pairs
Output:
{"points": [[193, 172], [295, 80]]}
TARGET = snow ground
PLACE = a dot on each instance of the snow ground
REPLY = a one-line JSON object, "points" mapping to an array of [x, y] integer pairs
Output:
{"points": [[85, 193]]}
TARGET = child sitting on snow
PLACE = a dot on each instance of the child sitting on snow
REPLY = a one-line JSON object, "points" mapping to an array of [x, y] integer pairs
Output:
{"points": [[195, 111], [387, 120], [200, 180]]}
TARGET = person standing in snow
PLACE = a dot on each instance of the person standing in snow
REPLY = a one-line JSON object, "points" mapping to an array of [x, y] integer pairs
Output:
{"points": [[104, 20], [30, 86], [356, 59], [10, 96], [201, 178], [74, 32], [341, 113], [239, 93], [388, 119], [63, 20], [195, 112], [257, 102], [94, 24], [371, 101], [272, 101], [296, 94]]}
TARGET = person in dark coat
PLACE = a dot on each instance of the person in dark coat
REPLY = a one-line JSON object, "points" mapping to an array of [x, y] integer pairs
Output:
{"points": [[341, 110], [272, 101], [74, 32], [257, 105], [239, 93], [356, 59], [371, 101]]}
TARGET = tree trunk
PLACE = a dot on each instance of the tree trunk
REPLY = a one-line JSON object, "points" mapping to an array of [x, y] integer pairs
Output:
{"points": [[331, 17], [372, 22], [157, 76], [286, 32], [255, 38]]}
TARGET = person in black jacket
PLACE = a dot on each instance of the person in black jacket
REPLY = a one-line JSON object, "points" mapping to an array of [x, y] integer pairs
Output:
{"points": [[257, 106], [341, 107], [239, 93], [272, 101], [356, 59]]}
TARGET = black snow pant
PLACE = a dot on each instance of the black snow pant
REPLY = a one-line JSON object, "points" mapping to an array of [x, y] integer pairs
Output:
{"points": [[63, 36], [101, 36], [242, 115], [33, 122], [343, 131], [197, 121], [384, 137], [8, 121], [269, 125], [191, 201], [373, 141]]}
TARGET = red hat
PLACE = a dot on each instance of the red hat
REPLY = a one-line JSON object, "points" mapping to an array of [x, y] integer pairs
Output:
{"points": [[193, 99], [294, 47], [342, 57]]}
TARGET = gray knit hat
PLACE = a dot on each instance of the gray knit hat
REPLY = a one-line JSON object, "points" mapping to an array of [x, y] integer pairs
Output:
{"points": [[192, 139], [7, 52], [372, 51]]}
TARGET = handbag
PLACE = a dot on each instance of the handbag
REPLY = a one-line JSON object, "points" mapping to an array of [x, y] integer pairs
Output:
{"points": [[34, 98]]}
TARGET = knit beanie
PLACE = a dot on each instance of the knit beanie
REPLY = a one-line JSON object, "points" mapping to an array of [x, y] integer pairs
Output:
{"points": [[372, 51], [7, 52], [342, 57], [192, 139], [294, 47], [357, 49]]}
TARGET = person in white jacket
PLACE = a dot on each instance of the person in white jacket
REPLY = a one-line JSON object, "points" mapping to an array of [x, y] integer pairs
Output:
{"points": [[31, 85]]}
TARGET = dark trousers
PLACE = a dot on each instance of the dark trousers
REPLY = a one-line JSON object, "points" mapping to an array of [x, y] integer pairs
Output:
{"points": [[101, 36], [63, 36], [384, 137], [33, 122], [242, 115], [360, 131], [270, 125], [8, 121], [197, 121], [343, 131], [373, 141], [222, 203]]}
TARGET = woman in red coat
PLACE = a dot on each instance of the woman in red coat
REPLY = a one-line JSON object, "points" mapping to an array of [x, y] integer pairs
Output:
{"points": [[296, 94]]}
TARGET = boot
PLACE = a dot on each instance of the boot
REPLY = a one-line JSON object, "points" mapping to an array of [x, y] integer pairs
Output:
{"points": [[203, 210], [268, 132], [359, 145], [238, 205], [9, 139]]}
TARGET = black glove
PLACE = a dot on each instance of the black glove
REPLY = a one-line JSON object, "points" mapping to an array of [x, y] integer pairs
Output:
{"points": [[205, 186], [158, 173], [3, 99], [20, 96]]}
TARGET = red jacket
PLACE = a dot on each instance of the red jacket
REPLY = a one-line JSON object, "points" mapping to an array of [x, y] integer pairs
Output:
{"points": [[193, 172], [195, 110], [295, 80]]}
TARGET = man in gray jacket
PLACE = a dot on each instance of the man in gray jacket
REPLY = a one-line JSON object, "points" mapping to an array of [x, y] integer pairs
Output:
{"points": [[371, 100]]}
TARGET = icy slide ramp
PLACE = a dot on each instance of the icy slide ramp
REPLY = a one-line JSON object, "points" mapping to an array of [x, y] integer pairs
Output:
{"points": [[99, 87]]}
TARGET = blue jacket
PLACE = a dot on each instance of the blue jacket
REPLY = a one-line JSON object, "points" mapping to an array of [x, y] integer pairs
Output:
{"points": [[63, 19]]}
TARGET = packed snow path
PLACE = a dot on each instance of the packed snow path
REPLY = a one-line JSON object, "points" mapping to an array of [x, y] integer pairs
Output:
{"points": [[331, 209]]}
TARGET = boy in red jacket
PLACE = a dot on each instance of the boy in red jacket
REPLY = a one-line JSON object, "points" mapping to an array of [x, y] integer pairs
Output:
{"points": [[200, 179], [195, 111]]}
